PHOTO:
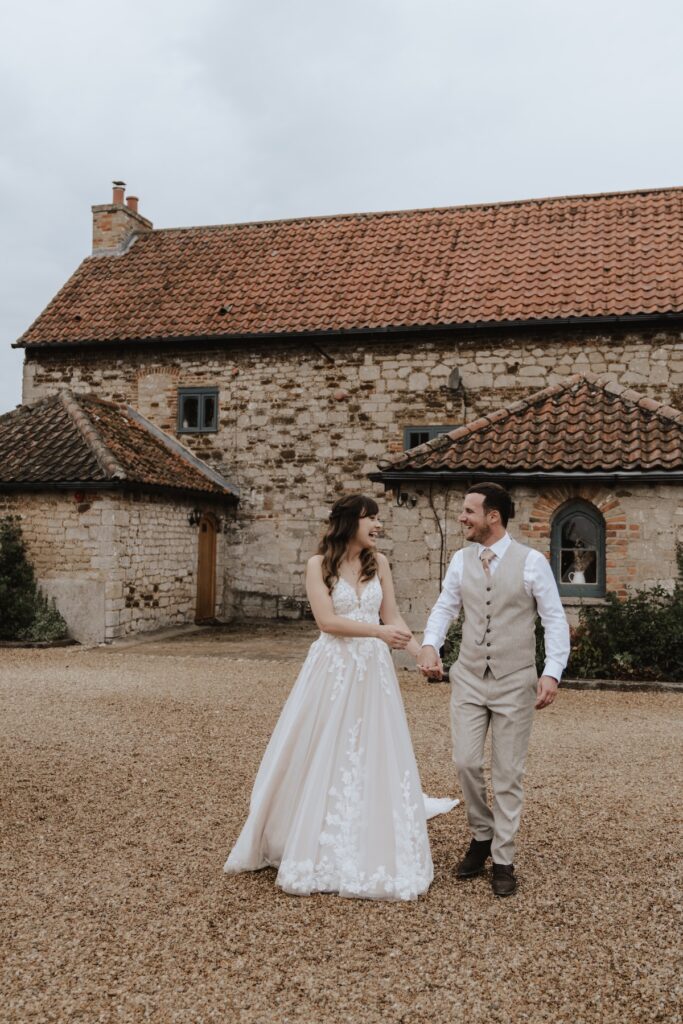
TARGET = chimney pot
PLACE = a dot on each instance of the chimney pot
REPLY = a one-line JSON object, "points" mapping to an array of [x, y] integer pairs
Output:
{"points": [[115, 224]]}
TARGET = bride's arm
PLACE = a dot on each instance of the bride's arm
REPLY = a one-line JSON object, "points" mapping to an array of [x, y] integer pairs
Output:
{"points": [[389, 611], [320, 601]]}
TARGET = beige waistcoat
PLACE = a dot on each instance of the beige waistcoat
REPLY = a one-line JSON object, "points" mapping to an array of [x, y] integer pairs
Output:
{"points": [[499, 627]]}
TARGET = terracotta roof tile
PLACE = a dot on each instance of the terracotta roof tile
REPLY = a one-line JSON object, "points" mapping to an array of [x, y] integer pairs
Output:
{"points": [[82, 439], [583, 424], [559, 258]]}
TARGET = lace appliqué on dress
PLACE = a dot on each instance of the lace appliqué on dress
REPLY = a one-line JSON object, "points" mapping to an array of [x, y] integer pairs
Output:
{"points": [[340, 871], [360, 649]]}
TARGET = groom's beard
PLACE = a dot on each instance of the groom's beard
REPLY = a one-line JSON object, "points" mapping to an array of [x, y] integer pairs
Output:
{"points": [[477, 536]]}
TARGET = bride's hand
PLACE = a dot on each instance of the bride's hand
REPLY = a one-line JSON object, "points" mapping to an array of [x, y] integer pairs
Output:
{"points": [[394, 636]]}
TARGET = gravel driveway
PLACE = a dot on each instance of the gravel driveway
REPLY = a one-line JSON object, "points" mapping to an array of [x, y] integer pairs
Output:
{"points": [[125, 778]]}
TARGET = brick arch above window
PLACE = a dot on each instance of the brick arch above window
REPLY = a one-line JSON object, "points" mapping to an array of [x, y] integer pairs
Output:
{"points": [[578, 554], [620, 532]]}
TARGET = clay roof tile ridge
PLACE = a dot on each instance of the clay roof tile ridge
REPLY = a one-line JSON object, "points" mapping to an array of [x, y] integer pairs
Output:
{"points": [[88, 431]]}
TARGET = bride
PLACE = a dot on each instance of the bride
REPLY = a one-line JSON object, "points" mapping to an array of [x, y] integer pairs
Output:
{"points": [[337, 804]]}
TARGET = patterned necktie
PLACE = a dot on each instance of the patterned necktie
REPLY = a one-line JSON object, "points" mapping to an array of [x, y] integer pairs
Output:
{"points": [[487, 557]]}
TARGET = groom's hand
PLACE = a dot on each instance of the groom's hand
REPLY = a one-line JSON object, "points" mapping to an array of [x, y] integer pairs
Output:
{"points": [[429, 662], [545, 692]]}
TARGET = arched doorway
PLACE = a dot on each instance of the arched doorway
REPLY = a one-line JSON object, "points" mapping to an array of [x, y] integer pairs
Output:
{"points": [[206, 569]]}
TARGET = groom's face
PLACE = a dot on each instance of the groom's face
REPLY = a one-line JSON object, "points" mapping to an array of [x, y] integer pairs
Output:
{"points": [[476, 522]]}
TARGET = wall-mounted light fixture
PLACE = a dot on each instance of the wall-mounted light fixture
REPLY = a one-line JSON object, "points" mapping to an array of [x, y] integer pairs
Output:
{"points": [[195, 517], [404, 500], [454, 380]]}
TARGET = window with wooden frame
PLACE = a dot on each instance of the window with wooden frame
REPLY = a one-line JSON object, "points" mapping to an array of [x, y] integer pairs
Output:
{"points": [[413, 436], [197, 410], [577, 550]]}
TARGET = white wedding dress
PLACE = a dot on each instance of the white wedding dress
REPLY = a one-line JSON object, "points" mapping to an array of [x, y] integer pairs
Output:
{"points": [[337, 804]]}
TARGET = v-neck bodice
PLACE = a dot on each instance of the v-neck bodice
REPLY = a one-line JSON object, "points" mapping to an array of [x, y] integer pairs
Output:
{"points": [[363, 608]]}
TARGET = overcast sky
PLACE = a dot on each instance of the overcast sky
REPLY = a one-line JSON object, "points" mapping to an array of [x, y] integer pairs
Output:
{"points": [[215, 111]]}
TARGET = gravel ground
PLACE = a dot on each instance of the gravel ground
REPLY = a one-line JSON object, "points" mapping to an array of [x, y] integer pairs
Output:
{"points": [[126, 776]]}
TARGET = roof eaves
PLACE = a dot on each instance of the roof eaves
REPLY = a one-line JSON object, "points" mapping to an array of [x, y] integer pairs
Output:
{"points": [[390, 477], [535, 323], [116, 486]]}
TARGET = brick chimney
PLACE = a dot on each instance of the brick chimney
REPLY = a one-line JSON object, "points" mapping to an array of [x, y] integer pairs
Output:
{"points": [[114, 224]]}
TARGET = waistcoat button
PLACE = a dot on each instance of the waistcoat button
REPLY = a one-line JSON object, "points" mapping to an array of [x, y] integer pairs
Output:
{"points": [[488, 645]]}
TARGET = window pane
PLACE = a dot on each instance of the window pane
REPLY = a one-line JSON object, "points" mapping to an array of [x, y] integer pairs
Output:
{"points": [[417, 437], [579, 550], [190, 413], [579, 531], [579, 565], [209, 411]]}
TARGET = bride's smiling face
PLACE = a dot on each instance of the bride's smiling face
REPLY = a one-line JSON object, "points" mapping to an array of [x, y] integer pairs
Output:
{"points": [[369, 529]]}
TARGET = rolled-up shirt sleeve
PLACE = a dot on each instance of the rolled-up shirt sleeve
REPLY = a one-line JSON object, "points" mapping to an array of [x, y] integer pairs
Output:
{"points": [[553, 619], [447, 607]]}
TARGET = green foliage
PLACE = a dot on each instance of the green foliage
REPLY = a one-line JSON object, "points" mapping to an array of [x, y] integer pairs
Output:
{"points": [[47, 624], [452, 643], [25, 613], [17, 582], [640, 637]]}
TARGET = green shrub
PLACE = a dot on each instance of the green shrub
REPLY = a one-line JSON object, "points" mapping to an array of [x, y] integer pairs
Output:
{"points": [[47, 624], [25, 613], [17, 582], [640, 637]]}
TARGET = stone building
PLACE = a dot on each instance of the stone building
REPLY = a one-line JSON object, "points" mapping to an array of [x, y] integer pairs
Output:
{"points": [[295, 356], [122, 525]]}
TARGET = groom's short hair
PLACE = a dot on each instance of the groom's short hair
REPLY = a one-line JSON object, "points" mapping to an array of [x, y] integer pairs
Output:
{"points": [[495, 497]]}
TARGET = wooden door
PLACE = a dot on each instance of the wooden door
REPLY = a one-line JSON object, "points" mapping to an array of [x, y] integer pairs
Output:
{"points": [[206, 570]]}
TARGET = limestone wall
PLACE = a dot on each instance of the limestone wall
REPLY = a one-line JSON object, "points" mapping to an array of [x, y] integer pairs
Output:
{"points": [[301, 423], [115, 564]]}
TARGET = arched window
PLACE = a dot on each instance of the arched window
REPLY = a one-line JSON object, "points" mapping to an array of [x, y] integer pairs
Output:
{"points": [[577, 550]]}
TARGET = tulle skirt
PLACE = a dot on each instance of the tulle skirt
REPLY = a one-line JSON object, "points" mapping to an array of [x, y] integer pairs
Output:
{"points": [[337, 804]]}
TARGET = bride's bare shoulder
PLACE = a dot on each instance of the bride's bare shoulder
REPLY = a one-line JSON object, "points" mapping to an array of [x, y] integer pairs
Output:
{"points": [[314, 562], [382, 563]]}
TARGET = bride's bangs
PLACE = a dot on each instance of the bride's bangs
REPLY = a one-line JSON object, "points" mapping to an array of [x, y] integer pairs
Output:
{"points": [[370, 508]]}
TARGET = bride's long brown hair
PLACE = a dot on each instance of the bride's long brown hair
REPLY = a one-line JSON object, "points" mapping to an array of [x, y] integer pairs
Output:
{"points": [[341, 529]]}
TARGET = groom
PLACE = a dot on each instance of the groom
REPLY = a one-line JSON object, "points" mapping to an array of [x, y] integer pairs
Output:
{"points": [[501, 585]]}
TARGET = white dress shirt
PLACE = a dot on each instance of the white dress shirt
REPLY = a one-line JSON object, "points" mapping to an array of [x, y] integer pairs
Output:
{"points": [[539, 583]]}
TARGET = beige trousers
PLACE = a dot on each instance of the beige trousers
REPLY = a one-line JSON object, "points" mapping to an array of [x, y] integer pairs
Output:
{"points": [[507, 705]]}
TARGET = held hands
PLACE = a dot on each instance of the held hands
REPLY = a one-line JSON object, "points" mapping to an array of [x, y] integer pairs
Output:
{"points": [[429, 663], [395, 636]]}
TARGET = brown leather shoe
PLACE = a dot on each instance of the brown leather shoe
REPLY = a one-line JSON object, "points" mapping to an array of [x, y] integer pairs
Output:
{"points": [[473, 862], [503, 881]]}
